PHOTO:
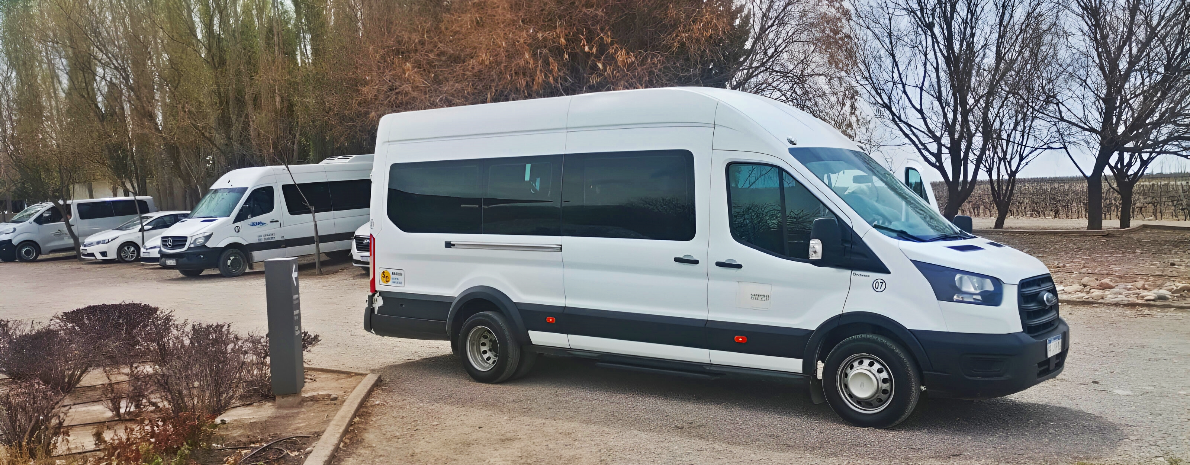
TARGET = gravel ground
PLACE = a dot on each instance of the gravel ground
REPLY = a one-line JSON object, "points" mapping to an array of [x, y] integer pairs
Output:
{"points": [[1123, 398]]}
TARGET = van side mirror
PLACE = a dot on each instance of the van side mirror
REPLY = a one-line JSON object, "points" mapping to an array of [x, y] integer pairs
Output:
{"points": [[963, 222], [826, 242]]}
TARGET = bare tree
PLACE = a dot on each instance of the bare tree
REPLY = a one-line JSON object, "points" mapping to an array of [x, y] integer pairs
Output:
{"points": [[934, 70], [1127, 86]]}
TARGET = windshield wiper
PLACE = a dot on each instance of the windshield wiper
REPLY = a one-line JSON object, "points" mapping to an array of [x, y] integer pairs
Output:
{"points": [[949, 236], [899, 232]]}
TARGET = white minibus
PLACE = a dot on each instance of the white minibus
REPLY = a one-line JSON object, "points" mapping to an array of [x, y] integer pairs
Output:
{"points": [[39, 229], [254, 214], [698, 231]]}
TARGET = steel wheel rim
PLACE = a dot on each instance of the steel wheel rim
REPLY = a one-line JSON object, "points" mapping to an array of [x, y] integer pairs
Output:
{"points": [[483, 349], [865, 383], [235, 263], [127, 253], [28, 252]]}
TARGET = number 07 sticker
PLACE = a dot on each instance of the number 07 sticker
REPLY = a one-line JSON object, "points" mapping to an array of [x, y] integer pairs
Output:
{"points": [[389, 277]]}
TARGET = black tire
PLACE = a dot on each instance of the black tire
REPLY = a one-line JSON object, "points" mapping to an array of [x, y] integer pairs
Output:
{"points": [[232, 263], [528, 361], [872, 363], [191, 273], [487, 348], [28, 251], [128, 252]]}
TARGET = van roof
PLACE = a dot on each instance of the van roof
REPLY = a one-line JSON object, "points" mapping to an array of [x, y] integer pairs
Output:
{"points": [[606, 110], [247, 177]]}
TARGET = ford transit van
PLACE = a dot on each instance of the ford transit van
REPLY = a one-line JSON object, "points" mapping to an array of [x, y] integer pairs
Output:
{"points": [[700, 231], [41, 228], [254, 214]]}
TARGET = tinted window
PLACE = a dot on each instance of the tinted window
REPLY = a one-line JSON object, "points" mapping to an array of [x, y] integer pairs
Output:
{"points": [[913, 180], [317, 193], [523, 196], [351, 195], [126, 207], [96, 210], [53, 215], [435, 197], [770, 210], [259, 202], [636, 195]]}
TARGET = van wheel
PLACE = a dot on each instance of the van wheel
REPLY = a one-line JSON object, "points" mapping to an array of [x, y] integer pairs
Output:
{"points": [[28, 252], [870, 381], [190, 273], [128, 252], [232, 263], [487, 348]]}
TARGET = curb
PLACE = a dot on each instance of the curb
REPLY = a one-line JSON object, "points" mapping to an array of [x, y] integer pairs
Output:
{"points": [[328, 443], [1128, 304]]}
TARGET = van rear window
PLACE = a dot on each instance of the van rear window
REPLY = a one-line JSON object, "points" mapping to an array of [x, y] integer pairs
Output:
{"points": [[96, 210]]}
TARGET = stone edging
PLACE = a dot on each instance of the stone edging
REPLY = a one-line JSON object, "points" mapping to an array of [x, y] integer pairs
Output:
{"points": [[1128, 304], [328, 443], [1084, 232]]}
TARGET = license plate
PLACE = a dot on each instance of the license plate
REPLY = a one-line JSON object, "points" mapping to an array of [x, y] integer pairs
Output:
{"points": [[1053, 346], [174, 262]]}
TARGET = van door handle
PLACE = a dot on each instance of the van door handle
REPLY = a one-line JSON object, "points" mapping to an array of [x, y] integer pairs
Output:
{"points": [[687, 259], [274, 221], [729, 264]]}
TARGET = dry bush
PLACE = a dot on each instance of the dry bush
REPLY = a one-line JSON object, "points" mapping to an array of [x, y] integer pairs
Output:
{"points": [[258, 378], [1159, 196], [31, 423], [165, 439], [44, 353], [201, 368]]}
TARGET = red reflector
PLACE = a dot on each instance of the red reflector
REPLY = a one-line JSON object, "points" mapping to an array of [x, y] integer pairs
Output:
{"points": [[550, 319], [741, 339]]}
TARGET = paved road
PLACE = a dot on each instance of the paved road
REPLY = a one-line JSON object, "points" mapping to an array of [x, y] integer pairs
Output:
{"points": [[1124, 397]]}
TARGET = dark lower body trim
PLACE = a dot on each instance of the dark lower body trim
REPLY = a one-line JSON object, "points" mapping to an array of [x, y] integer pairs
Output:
{"points": [[196, 258], [980, 366], [8, 251]]}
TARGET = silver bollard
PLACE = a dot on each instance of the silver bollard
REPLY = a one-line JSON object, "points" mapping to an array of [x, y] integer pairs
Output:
{"points": [[285, 330]]}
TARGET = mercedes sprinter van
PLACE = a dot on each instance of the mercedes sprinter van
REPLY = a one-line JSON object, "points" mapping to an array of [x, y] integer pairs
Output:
{"points": [[694, 230], [254, 214], [41, 228]]}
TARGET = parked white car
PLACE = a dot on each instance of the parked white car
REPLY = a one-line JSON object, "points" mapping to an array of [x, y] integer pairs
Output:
{"points": [[123, 243], [361, 249], [40, 229], [151, 252]]}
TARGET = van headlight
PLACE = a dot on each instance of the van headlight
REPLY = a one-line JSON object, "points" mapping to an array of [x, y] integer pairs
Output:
{"points": [[951, 285], [7, 231], [200, 240]]}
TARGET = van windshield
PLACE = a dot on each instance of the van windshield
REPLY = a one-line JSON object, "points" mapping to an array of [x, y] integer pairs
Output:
{"points": [[218, 203], [27, 213], [871, 190]]}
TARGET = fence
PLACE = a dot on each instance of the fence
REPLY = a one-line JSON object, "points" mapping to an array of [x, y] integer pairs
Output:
{"points": [[1157, 196]]}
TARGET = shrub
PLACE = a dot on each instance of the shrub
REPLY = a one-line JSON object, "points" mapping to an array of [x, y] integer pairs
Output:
{"points": [[31, 423], [201, 368], [165, 439], [45, 353], [258, 378], [118, 334]]}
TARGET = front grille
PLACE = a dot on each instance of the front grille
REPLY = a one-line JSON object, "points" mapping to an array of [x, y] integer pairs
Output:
{"points": [[362, 243], [173, 242], [1036, 316]]}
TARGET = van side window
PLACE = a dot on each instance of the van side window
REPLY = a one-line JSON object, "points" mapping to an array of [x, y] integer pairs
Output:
{"points": [[317, 193], [633, 195], [259, 202], [770, 210], [96, 210], [913, 180], [435, 197], [523, 196], [125, 207], [55, 216], [351, 195]]}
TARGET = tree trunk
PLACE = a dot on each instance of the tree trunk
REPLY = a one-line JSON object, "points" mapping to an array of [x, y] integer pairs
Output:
{"points": [[66, 218], [1001, 214], [951, 209], [1126, 190], [1095, 200]]}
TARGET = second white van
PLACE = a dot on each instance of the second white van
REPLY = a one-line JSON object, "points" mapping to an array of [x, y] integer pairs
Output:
{"points": [[697, 231], [254, 214], [41, 228]]}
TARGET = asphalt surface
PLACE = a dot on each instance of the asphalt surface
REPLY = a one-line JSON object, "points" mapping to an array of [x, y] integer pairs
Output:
{"points": [[1123, 398]]}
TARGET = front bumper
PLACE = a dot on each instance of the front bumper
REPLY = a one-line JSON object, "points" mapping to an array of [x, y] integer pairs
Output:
{"points": [[97, 252], [8, 251], [981, 366], [194, 258]]}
